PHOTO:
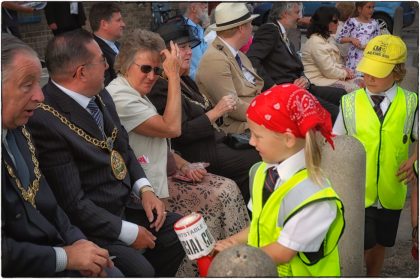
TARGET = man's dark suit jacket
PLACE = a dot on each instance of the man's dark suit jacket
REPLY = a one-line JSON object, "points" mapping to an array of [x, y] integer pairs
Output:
{"points": [[79, 172], [59, 12], [271, 58], [28, 233], [109, 54]]}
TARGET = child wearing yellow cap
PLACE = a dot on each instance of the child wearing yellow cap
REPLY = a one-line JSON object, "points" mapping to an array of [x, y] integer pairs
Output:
{"points": [[384, 118]]}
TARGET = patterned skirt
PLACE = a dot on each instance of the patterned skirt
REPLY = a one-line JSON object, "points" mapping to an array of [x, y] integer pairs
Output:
{"points": [[218, 200]]}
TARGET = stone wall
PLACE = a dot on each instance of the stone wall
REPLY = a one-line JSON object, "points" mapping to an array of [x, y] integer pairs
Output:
{"points": [[37, 34]]}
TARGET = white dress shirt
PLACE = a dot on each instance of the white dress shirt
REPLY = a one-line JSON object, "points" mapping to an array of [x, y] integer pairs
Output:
{"points": [[306, 230]]}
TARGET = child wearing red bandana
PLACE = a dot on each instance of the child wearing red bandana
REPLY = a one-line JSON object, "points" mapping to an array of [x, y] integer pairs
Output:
{"points": [[297, 218]]}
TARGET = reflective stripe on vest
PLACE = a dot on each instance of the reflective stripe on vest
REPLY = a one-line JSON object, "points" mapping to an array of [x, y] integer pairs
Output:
{"points": [[284, 202], [386, 144]]}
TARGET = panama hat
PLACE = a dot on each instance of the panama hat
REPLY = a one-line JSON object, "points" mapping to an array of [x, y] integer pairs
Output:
{"points": [[230, 15], [381, 55]]}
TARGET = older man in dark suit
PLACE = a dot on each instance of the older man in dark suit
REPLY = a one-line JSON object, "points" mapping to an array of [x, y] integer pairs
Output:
{"points": [[276, 60], [107, 26], [37, 237], [85, 155]]}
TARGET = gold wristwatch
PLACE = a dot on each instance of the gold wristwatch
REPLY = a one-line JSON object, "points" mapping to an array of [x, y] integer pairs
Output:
{"points": [[146, 189]]}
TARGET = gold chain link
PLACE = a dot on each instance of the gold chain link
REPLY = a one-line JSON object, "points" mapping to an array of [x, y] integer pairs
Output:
{"points": [[30, 194], [99, 143]]}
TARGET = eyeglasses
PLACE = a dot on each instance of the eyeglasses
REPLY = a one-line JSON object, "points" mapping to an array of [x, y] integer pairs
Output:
{"points": [[103, 61], [145, 69], [335, 21]]}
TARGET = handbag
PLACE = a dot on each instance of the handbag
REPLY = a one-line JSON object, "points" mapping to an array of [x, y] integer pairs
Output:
{"points": [[238, 141]]}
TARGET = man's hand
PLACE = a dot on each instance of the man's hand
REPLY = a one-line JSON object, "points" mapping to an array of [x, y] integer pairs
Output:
{"points": [[150, 202], [88, 258], [145, 239]]}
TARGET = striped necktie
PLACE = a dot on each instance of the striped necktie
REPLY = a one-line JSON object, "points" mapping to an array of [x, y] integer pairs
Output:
{"points": [[377, 100], [271, 178], [96, 114]]}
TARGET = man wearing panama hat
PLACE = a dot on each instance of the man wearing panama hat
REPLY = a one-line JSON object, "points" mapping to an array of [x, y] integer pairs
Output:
{"points": [[225, 70]]}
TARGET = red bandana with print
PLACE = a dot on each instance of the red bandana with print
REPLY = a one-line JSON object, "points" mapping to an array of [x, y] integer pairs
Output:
{"points": [[289, 108]]}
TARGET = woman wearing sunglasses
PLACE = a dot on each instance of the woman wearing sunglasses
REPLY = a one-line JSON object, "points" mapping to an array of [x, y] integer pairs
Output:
{"points": [[183, 186], [321, 57]]}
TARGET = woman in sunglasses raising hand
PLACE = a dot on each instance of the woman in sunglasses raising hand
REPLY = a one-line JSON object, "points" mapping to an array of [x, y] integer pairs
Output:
{"points": [[138, 67], [183, 186]]}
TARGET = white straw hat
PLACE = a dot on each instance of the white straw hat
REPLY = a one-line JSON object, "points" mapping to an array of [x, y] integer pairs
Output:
{"points": [[230, 15]]}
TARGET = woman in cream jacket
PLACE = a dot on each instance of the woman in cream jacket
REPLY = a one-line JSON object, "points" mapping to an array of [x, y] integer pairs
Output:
{"points": [[321, 57]]}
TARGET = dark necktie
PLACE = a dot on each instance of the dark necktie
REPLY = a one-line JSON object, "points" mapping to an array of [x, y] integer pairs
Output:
{"points": [[377, 100], [238, 59], [96, 114], [270, 182], [20, 164]]}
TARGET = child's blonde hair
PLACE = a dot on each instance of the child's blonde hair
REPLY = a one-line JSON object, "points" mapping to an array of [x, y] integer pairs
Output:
{"points": [[399, 72], [313, 157]]}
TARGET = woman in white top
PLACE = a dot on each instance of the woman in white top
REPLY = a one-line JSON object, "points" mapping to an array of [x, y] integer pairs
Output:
{"points": [[217, 198], [321, 57]]}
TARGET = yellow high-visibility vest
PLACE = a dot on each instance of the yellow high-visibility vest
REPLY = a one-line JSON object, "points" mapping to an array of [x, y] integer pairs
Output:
{"points": [[288, 199], [386, 144]]}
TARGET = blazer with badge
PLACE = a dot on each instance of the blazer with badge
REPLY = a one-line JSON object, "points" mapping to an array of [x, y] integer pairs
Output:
{"points": [[79, 172], [271, 57], [219, 75], [110, 55], [28, 233]]}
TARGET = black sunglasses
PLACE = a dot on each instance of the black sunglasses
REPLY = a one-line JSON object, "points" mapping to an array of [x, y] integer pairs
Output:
{"points": [[335, 21], [145, 69]]}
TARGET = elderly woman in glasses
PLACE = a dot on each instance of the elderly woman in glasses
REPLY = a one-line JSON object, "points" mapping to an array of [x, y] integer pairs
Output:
{"points": [[201, 139], [321, 57], [184, 186]]}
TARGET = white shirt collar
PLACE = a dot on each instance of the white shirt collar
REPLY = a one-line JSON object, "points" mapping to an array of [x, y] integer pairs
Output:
{"points": [[79, 98], [283, 30], [111, 44], [290, 166], [234, 51], [389, 94]]}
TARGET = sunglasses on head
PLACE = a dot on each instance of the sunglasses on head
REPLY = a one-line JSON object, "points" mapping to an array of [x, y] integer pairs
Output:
{"points": [[145, 69]]}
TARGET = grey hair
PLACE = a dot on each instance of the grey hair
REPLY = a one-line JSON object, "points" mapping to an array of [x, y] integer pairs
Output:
{"points": [[279, 8], [131, 43], [67, 50], [10, 46]]}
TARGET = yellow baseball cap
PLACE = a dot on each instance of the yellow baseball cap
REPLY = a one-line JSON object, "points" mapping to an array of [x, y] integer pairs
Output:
{"points": [[381, 55]]}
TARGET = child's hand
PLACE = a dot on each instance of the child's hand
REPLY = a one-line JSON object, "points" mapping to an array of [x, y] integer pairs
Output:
{"points": [[350, 74], [356, 43], [406, 172], [224, 244]]}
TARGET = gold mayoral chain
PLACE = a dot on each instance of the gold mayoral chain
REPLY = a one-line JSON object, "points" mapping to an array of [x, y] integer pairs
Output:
{"points": [[118, 166], [30, 194]]}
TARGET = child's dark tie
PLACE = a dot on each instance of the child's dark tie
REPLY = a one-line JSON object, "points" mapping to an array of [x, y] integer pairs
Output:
{"points": [[270, 182], [377, 100]]}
